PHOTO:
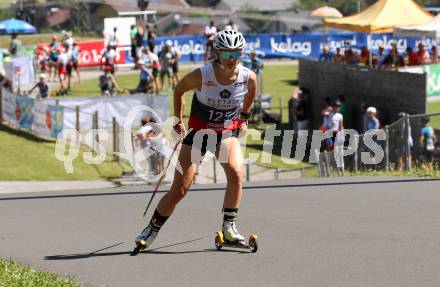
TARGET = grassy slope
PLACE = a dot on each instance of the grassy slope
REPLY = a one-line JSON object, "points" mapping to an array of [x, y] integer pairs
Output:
{"points": [[26, 157], [14, 275]]}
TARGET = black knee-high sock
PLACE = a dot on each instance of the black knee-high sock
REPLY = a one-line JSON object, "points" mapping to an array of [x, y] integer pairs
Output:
{"points": [[230, 214], [157, 221]]}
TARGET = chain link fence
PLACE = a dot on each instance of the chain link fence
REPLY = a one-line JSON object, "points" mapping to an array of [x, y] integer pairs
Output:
{"points": [[409, 144]]}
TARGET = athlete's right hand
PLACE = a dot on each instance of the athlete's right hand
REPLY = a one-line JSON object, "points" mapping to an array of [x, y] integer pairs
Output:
{"points": [[179, 128]]}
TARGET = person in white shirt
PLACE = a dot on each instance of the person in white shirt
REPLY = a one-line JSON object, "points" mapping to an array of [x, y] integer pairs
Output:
{"points": [[63, 59], [210, 32]]}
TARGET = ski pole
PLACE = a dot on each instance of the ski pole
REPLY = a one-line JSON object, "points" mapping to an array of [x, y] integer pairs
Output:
{"points": [[161, 178]]}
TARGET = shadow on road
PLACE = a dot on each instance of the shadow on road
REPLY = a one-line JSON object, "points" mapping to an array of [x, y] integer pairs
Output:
{"points": [[98, 253]]}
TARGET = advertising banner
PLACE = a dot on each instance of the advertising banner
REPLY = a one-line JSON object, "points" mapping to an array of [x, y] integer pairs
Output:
{"points": [[9, 103], [24, 112], [48, 119]]}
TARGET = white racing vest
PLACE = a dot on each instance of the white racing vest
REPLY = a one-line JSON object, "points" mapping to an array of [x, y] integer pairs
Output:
{"points": [[215, 106]]}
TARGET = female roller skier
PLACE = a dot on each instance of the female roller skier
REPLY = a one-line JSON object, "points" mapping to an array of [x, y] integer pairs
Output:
{"points": [[220, 88]]}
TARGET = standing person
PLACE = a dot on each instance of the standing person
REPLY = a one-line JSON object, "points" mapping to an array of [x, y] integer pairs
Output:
{"points": [[68, 40], [108, 58], [69, 66], [428, 141], [154, 65], [372, 121], [15, 46], [336, 124], [434, 55], [145, 79], [215, 107], [166, 59], [113, 40], [63, 59], [210, 32], [151, 39], [139, 38], [302, 114], [75, 60], [43, 88], [53, 57], [175, 63], [339, 58], [133, 32]]}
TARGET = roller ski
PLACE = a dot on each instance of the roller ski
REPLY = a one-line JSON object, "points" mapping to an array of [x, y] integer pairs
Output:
{"points": [[229, 237], [144, 240]]}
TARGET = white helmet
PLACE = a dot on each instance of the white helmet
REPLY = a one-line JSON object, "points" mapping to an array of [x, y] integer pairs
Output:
{"points": [[229, 39]]}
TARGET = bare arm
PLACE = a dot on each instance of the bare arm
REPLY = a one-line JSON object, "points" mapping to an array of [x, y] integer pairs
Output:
{"points": [[190, 81], [249, 98]]}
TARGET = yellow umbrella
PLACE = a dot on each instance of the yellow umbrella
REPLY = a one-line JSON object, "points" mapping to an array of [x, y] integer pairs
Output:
{"points": [[327, 12]]}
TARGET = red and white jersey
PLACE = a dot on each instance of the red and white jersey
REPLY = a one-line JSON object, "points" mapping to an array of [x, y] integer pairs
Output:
{"points": [[215, 106]]}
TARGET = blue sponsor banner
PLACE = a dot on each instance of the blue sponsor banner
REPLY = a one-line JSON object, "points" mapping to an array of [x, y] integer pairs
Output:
{"points": [[24, 112], [298, 45]]}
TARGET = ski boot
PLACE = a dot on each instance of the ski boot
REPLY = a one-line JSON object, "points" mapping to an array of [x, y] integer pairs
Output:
{"points": [[144, 240], [230, 237]]}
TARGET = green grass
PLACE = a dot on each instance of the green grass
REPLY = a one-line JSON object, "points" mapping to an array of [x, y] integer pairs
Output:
{"points": [[18, 275], [27, 157], [434, 108]]}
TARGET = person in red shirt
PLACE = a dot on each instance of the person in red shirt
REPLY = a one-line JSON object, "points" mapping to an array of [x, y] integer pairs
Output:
{"points": [[413, 58]]}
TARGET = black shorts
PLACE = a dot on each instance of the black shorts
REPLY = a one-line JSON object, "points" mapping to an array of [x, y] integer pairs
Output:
{"points": [[175, 68], [133, 51], [69, 69], [203, 145]]}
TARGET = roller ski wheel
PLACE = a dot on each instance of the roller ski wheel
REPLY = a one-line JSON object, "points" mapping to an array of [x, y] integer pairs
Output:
{"points": [[139, 247], [252, 244]]}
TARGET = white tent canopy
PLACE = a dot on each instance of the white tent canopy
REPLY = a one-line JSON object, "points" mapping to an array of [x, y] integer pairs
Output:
{"points": [[430, 29]]}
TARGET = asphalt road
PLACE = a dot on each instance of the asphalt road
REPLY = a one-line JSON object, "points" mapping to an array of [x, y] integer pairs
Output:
{"points": [[321, 232]]}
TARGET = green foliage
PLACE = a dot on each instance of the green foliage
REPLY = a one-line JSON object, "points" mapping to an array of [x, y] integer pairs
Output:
{"points": [[17, 275]]}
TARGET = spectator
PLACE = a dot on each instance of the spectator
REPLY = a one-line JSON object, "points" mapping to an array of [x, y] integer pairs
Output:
{"points": [[5, 82], [63, 59], [372, 121], [378, 61], [151, 40], [139, 37], [434, 55], [175, 62], [69, 66], [53, 57], [75, 60], [393, 60], [422, 54], [428, 141], [325, 55], [336, 125], [364, 113], [256, 64], [145, 79], [293, 103], [133, 32], [152, 142], [231, 26], [113, 40], [166, 58], [413, 58], [15, 46], [109, 58], [338, 58], [302, 113], [327, 113], [68, 40], [365, 56], [210, 32], [107, 83], [154, 65], [42, 59], [343, 108], [350, 57], [43, 88]]}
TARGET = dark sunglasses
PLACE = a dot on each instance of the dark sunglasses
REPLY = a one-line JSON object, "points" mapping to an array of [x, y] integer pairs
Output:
{"points": [[230, 55]]}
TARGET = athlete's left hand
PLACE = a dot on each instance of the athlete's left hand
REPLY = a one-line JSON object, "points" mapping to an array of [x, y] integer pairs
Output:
{"points": [[242, 127]]}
